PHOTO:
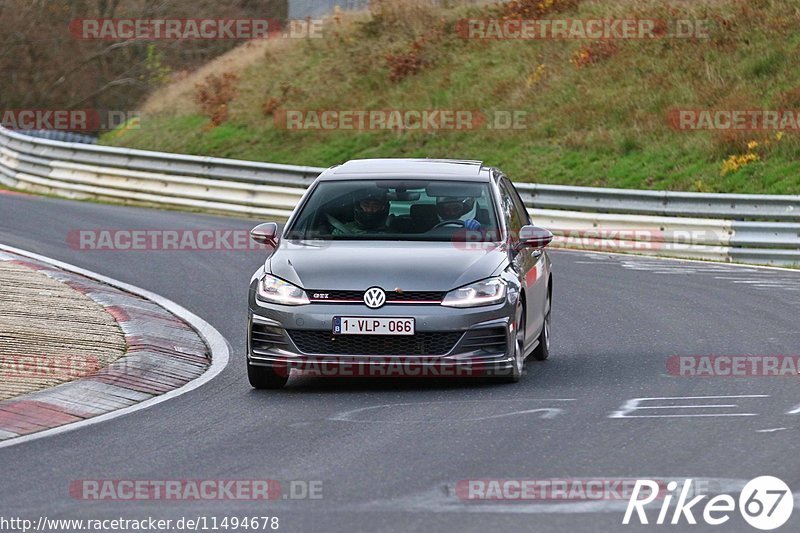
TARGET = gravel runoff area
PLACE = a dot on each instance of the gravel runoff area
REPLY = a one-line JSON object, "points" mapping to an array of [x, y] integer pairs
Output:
{"points": [[75, 348], [50, 333]]}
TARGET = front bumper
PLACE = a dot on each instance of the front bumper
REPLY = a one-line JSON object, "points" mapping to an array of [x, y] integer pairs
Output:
{"points": [[447, 342]]}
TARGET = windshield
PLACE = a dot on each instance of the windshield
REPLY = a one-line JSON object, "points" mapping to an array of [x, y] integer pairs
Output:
{"points": [[429, 210]]}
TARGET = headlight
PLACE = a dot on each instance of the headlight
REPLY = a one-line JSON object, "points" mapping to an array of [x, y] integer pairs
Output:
{"points": [[486, 292], [277, 291]]}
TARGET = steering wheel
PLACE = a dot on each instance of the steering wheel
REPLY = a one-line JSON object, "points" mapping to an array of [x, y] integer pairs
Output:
{"points": [[443, 223], [338, 225]]}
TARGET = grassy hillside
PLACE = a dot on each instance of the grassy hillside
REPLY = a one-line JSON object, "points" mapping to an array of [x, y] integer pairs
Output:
{"points": [[596, 111]]}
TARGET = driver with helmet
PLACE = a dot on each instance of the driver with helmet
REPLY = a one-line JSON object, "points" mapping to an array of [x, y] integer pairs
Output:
{"points": [[370, 213], [464, 209]]}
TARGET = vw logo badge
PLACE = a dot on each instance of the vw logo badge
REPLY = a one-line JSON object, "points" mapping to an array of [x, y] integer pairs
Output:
{"points": [[374, 297]]}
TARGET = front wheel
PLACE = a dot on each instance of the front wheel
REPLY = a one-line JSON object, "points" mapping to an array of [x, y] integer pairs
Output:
{"points": [[267, 377], [542, 350]]}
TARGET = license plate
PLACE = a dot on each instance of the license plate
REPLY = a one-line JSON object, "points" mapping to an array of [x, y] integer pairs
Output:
{"points": [[354, 325]]}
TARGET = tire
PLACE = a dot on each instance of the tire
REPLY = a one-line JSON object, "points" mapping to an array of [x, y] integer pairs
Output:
{"points": [[542, 350], [267, 377]]}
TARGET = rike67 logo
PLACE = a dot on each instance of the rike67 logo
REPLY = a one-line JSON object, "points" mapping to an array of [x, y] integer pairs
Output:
{"points": [[766, 503]]}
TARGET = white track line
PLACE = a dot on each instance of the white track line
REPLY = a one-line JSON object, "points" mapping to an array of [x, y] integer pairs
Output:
{"points": [[216, 343], [675, 259]]}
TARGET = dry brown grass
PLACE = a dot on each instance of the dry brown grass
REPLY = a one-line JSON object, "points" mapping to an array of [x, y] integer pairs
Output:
{"points": [[177, 98]]}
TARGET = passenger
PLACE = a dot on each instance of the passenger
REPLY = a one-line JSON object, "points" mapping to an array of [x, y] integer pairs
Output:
{"points": [[457, 208]]}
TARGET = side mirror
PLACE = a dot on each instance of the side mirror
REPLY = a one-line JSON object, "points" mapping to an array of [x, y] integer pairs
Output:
{"points": [[265, 234], [534, 237]]}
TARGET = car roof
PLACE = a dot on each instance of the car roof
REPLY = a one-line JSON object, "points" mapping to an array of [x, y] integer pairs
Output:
{"points": [[398, 168]]}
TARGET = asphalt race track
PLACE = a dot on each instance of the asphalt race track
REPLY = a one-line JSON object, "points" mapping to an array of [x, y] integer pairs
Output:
{"points": [[390, 452]]}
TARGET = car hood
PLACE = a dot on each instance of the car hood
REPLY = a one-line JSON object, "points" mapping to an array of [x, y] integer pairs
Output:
{"points": [[358, 265]]}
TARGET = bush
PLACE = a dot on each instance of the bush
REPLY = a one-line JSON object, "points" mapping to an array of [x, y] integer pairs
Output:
{"points": [[214, 95]]}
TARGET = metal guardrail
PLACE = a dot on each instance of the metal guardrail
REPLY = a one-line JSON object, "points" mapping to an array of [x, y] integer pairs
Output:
{"points": [[662, 203], [66, 136], [145, 160], [757, 229]]}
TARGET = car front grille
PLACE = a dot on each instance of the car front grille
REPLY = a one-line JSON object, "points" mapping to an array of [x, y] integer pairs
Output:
{"points": [[489, 339], [324, 342], [263, 337], [432, 297]]}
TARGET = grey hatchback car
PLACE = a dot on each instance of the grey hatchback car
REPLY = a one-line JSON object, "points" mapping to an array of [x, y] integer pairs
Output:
{"points": [[401, 267]]}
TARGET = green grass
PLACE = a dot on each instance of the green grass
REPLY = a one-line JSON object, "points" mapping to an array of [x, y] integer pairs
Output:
{"points": [[603, 124]]}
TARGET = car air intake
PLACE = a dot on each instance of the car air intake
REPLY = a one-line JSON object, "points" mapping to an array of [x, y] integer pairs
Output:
{"points": [[263, 337], [488, 339], [324, 342]]}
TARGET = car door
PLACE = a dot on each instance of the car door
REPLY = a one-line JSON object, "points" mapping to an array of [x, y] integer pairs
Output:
{"points": [[529, 264]]}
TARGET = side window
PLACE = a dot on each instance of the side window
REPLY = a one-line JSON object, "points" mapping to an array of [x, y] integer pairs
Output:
{"points": [[518, 203], [509, 209]]}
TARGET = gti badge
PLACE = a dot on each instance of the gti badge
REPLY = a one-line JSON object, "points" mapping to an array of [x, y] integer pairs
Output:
{"points": [[374, 297]]}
